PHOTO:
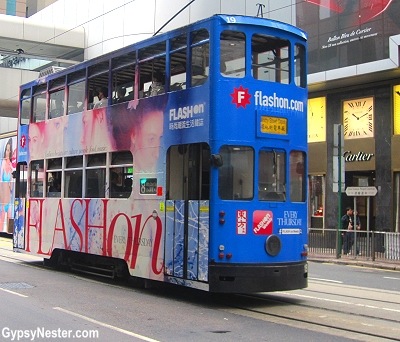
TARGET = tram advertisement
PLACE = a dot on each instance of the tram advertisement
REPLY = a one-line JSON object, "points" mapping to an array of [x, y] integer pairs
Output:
{"points": [[8, 163]]}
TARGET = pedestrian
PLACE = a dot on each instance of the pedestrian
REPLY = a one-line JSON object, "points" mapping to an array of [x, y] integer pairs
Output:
{"points": [[347, 230]]}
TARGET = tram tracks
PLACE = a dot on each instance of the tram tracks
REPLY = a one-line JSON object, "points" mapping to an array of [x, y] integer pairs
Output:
{"points": [[304, 310]]}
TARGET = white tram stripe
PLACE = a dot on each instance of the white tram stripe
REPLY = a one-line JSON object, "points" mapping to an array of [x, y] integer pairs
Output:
{"points": [[123, 331]]}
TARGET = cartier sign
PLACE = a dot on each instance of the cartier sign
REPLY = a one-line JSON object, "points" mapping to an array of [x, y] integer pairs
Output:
{"points": [[360, 156]]}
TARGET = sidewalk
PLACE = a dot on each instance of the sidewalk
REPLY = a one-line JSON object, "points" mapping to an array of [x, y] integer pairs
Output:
{"points": [[359, 261]]}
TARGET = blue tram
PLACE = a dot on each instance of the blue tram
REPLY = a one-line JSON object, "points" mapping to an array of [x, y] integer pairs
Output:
{"points": [[181, 159]]}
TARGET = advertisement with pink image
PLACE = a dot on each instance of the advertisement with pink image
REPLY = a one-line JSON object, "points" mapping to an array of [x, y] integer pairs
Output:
{"points": [[8, 163]]}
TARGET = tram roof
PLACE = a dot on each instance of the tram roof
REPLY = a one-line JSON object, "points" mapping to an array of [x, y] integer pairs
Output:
{"points": [[222, 18]]}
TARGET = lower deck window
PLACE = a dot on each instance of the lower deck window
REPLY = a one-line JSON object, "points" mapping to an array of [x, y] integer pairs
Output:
{"points": [[235, 176]]}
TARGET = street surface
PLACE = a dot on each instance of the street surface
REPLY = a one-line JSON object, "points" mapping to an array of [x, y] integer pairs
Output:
{"points": [[342, 303]]}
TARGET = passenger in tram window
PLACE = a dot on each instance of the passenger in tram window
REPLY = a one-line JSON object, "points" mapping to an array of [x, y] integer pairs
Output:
{"points": [[121, 91], [157, 86], [103, 98]]}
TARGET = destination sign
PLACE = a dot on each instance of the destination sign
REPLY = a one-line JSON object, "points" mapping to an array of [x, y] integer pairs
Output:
{"points": [[274, 125]]}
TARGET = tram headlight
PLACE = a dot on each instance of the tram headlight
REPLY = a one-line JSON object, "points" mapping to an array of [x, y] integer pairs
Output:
{"points": [[273, 245]]}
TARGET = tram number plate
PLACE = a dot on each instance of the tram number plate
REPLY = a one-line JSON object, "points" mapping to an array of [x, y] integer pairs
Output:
{"points": [[148, 186], [274, 125]]}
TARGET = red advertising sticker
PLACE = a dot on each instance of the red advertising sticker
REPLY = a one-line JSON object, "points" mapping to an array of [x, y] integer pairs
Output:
{"points": [[262, 222]]}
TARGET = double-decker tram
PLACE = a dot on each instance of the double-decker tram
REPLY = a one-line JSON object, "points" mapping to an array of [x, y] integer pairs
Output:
{"points": [[179, 159]]}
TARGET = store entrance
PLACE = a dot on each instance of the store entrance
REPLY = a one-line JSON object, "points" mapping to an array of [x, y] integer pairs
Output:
{"points": [[361, 178]]}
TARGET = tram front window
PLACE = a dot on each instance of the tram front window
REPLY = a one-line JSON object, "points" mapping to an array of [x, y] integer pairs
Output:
{"points": [[235, 176], [271, 176]]}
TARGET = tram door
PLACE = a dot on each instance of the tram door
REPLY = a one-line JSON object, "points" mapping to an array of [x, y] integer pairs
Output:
{"points": [[20, 205], [187, 211]]}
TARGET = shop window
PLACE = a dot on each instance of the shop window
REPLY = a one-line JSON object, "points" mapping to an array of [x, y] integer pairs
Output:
{"points": [[316, 201], [397, 202]]}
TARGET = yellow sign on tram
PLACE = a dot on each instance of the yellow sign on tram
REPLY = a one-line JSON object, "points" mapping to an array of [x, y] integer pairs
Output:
{"points": [[274, 125]]}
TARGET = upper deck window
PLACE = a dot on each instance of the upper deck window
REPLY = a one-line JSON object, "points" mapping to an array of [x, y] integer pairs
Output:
{"points": [[152, 70], [39, 103], [178, 60], [270, 59], [200, 51], [56, 103], [25, 106], [232, 54], [123, 78], [98, 85], [300, 65], [76, 97]]}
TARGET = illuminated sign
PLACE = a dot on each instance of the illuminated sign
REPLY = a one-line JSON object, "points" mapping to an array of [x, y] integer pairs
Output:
{"points": [[274, 125]]}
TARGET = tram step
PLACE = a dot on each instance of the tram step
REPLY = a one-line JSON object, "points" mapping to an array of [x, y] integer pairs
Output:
{"points": [[93, 270]]}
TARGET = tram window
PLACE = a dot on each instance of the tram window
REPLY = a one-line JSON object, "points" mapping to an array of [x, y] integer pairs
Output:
{"points": [[152, 77], [178, 63], [121, 174], [95, 175], [123, 79], [297, 176], [76, 97], [122, 157], [97, 85], [73, 184], [54, 167], [73, 177], [152, 68], [25, 111], [56, 103], [270, 59], [233, 54], [235, 176], [300, 65], [200, 52], [271, 176], [36, 178], [39, 108]]}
